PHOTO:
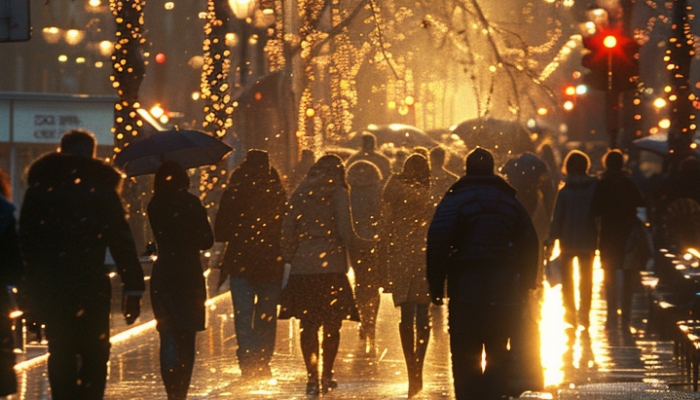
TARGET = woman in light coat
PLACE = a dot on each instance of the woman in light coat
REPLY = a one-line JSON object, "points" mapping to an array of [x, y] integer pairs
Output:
{"points": [[317, 233], [406, 214]]}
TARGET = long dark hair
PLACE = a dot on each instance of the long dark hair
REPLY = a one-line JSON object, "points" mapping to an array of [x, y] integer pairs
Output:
{"points": [[170, 178]]}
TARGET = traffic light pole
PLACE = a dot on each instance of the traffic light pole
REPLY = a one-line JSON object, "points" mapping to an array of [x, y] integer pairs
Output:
{"points": [[612, 107]]}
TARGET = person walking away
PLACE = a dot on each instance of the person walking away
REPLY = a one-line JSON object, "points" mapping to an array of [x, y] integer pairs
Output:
{"points": [[368, 152], [316, 235], [70, 215], [11, 273], [442, 180], [615, 201], [249, 220], [575, 228], [178, 291], [483, 243], [365, 182], [405, 216]]}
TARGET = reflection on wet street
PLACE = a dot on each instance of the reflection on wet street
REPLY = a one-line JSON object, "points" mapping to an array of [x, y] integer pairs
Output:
{"points": [[570, 358]]}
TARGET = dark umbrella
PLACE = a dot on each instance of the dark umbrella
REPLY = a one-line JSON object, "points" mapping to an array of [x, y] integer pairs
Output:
{"points": [[497, 135], [189, 148], [398, 134]]}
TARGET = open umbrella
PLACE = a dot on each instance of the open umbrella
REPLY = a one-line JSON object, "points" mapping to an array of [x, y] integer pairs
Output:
{"points": [[495, 134], [657, 144], [189, 148], [398, 134]]}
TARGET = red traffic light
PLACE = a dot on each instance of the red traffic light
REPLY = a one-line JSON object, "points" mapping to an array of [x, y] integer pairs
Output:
{"points": [[610, 41], [160, 58]]}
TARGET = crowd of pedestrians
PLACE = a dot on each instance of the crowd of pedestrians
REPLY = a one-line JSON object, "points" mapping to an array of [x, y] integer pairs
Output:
{"points": [[416, 230]]}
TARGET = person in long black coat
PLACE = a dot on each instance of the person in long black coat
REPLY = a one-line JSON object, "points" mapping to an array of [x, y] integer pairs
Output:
{"points": [[615, 201], [70, 215], [178, 292], [250, 220], [11, 272]]}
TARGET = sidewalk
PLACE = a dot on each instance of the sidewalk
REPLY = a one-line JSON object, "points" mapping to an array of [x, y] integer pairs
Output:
{"points": [[595, 366]]}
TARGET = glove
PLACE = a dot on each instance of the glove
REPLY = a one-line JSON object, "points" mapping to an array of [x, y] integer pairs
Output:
{"points": [[131, 308]]}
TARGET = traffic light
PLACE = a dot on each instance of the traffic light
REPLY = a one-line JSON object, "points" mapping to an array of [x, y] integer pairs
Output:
{"points": [[612, 61]]}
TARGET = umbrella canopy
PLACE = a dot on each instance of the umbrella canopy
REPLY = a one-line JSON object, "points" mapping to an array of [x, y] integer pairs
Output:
{"points": [[496, 135], [657, 144], [188, 148], [398, 134]]}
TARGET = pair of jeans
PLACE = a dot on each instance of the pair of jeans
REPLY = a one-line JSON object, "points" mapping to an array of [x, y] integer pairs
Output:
{"points": [[255, 321]]}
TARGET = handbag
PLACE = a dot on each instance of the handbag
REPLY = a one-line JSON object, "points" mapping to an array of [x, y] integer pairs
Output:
{"points": [[553, 271]]}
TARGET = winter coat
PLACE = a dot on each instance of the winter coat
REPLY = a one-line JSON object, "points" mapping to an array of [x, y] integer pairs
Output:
{"points": [[406, 214], [71, 214], [615, 201], [250, 219], [317, 230], [181, 229], [366, 203], [502, 250], [572, 222]]}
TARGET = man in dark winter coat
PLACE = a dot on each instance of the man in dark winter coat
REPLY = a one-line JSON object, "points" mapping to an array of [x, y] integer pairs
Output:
{"points": [[250, 221], [483, 243], [368, 152], [71, 214]]}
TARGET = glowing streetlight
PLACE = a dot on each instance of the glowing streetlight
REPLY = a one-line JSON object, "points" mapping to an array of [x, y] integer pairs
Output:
{"points": [[242, 9], [74, 36], [659, 103]]}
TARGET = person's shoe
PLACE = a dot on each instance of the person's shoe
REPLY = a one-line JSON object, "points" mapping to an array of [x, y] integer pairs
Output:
{"points": [[312, 388], [328, 384]]}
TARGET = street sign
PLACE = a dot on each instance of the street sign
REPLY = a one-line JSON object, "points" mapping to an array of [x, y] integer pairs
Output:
{"points": [[14, 21]]}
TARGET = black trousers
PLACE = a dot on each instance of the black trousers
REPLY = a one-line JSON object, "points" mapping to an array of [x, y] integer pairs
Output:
{"points": [[475, 327], [79, 350]]}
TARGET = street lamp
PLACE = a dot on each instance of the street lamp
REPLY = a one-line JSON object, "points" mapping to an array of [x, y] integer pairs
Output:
{"points": [[242, 9]]}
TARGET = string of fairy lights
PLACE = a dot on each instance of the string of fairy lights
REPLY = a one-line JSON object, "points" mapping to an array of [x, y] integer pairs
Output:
{"points": [[128, 69]]}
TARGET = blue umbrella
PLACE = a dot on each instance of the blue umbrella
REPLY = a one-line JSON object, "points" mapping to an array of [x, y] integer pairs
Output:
{"points": [[189, 148]]}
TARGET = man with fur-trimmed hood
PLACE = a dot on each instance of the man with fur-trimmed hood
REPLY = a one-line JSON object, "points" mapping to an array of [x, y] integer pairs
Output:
{"points": [[71, 214]]}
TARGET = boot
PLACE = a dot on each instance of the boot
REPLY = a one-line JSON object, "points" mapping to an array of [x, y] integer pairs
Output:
{"points": [[423, 338], [407, 334]]}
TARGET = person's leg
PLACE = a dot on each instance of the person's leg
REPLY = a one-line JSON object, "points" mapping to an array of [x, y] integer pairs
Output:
{"points": [[630, 279], [185, 360], [310, 350], [407, 333], [498, 361], [243, 297], [465, 348], [585, 262], [63, 361], [265, 325], [169, 363], [422, 339], [91, 336], [610, 282], [367, 297], [331, 341], [567, 289]]}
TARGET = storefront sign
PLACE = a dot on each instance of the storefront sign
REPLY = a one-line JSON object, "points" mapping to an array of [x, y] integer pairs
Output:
{"points": [[45, 120]]}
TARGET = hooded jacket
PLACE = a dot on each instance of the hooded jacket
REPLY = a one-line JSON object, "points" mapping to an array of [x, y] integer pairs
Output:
{"points": [[71, 214], [454, 244]]}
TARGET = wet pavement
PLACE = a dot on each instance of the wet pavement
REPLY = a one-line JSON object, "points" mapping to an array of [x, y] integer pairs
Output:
{"points": [[593, 364]]}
